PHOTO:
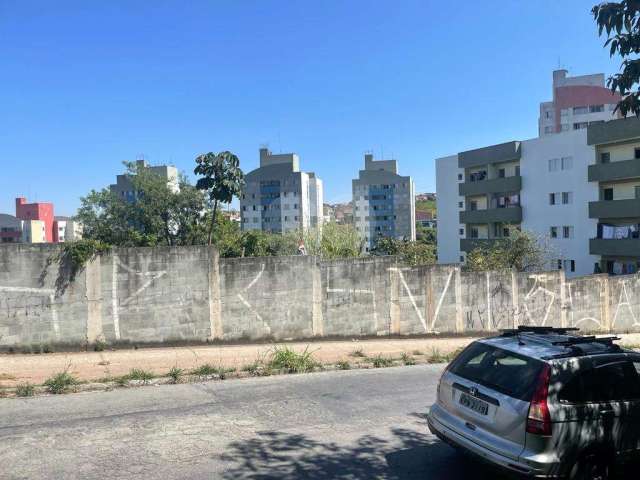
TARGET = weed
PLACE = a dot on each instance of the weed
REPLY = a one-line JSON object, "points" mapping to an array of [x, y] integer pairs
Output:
{"points": [[343, 365], [436, 357], [142, 375], [36, 348], [417, 352], [207, 369], [287, 359], [358, 353], [122, 380], [61, 382], [25, 390], [46, 348], [175, 374], [380, 361], [452, 355], [99, 346], [258, 369], [407, 359]]}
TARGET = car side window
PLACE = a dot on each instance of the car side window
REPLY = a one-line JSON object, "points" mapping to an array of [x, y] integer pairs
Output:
{"points": [[612, 382]]}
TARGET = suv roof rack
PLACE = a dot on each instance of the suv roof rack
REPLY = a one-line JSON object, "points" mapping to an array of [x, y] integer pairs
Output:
{"points": [[510, 332], [587, 339]]}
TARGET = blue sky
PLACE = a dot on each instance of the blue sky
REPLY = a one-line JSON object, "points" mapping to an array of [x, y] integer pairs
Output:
{"points": [[85, 85]]}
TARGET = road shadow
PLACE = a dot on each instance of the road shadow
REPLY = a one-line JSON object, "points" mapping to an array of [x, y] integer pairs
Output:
{"points": [[406, 455]]}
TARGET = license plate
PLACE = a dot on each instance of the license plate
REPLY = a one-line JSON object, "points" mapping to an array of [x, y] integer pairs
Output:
{"points": [[474, 404]]}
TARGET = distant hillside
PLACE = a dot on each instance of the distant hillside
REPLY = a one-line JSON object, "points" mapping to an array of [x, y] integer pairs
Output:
{"points": [[426, 206]]}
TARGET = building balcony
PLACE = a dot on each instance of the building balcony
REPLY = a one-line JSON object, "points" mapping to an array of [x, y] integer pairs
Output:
{"points": [[503, 152], [606, 172], [615, 208], [493, 215], [624, 247], [496, 185], [469, 244]]}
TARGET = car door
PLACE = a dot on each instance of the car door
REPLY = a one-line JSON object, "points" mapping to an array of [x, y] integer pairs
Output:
{"points": [[601, 407]]}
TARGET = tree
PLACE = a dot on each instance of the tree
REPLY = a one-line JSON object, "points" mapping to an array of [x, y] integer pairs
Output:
{"points": [[157, 215], [621, 22], [426, 235], [410, 252], [332, 241], [222, 179], [521, 251]]}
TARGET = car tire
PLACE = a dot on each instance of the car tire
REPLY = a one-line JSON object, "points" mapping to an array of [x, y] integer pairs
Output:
{"points": [[591, 467]]}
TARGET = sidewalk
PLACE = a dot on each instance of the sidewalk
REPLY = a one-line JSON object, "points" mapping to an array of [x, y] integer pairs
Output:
{"points": [[19, 368]]}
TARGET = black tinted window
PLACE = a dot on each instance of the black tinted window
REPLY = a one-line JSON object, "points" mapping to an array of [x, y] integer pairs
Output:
{"points": [[500, 370], [606, 383]]}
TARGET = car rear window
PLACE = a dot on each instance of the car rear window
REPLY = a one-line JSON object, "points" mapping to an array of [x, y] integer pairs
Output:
{"points": [[503, 371]]}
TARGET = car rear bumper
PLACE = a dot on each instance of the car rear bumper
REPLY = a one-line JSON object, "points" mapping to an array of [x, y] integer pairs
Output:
{"points": [[456, 440]]}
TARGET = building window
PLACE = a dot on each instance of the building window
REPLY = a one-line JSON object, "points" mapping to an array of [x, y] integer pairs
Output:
{"points": [[517, 170], [636, 153], [461, 259], [580, 110], [460, 176], [570, 265], [605, 157], [607, 194], [461, 231], [567, 232], [566, 163], [460, 205], [549, 129], [554, 164], [553, 232], [564, 127], [473, 205], [502, 173], [559, 264], [596, 108], [473, 233], [580, 125], [552, 199], [567, 198]]}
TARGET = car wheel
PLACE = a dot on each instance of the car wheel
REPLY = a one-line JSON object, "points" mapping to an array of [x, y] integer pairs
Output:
{"points": [[591, 467]]}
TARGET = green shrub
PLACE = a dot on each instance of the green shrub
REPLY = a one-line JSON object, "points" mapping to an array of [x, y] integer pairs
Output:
{"points": [[142, 375], [343, 365], [358, 353], [99, 346], [61, 382], [175, 374], [407, 359], [207, 369], [25, 390], [380, 361], [436, 357], [287, 359]]}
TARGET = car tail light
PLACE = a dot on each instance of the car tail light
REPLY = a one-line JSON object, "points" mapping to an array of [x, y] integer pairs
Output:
{"points": [[539, 419]]}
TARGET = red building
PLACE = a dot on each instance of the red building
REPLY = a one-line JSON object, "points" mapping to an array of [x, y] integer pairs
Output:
{"points": [[37, 211]]}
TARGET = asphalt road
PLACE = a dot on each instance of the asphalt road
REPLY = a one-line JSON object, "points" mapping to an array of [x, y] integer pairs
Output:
{"points": [[358, 424]]}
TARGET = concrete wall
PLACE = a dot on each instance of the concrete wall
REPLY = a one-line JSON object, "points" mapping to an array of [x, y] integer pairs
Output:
{"points": [[166, 294]]}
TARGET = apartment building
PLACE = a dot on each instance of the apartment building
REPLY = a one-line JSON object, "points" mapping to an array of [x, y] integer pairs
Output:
{"points": [[38, 212], [615, 174], [384, 202], [580, 189], [577, 102], [123, 187], [278, 197], [66, 229]]}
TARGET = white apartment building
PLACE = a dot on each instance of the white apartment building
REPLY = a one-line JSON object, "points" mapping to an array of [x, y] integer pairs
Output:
{"points": [[384, 202], [577, 102], [579, 188], [278, 197]]}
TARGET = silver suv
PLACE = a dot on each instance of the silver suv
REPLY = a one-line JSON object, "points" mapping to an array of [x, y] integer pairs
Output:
{"points": [[543, 402]]}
